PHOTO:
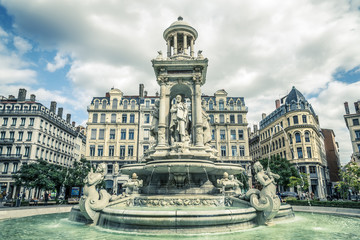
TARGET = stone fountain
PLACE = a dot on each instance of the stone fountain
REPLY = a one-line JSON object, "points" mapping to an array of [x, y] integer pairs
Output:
{"points": [[181, 187]]}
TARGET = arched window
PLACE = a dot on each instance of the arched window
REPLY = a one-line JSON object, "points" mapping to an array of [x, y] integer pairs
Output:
{"points": [[231, 105], [276, 144], [297, 137], [238, 105], [114, 103], [307, 137], [104, 104], [132, 104], [96, 104], [221, 105], [211, 118], [125, 104], [211, 105], [290, 138]]}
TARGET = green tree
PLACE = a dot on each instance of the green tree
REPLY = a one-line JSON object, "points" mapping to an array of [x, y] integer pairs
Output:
{"points": [[282, 167], [301, 181], [350, 179]]}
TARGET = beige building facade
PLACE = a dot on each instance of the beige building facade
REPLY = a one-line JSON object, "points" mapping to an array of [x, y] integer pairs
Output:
{"points": [[352, 123], [293, 132]]}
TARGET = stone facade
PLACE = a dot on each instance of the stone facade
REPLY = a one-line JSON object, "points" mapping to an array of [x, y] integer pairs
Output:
{"points": [[352, 123], [30, 131], [293, 132]]}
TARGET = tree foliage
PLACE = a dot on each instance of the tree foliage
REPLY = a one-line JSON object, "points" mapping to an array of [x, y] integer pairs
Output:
{"points": [[350, 179], [76, 174], [282, 167], [301, 181]]}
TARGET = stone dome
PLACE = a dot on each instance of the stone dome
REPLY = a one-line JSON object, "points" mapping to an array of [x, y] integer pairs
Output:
{"points": [[180, 25]]}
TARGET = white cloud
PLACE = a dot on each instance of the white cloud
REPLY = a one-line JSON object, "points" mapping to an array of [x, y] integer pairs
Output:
{"points": [[60, 60], [256, 49], [22, 45]]}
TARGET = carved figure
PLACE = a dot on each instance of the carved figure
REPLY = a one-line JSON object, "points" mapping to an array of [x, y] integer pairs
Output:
{"points": [[160, 56], [179, 120], [133, 184], [229, 184], [206, 126], [155, 122], [116, 169], [265, 200]]}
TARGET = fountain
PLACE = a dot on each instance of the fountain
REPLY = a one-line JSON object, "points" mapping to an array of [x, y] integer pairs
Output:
{"points": [[180, 187]]}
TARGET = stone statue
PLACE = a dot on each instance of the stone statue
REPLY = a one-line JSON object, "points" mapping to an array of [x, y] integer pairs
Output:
{"points": [[133, 184], [179, 121], [155, 122], [265, 200], [229, 184], [199, 55], [116, 169], [206, 126], [160, 56]]}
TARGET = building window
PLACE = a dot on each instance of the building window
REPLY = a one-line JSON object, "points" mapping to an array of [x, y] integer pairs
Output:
{"points": [[357, 135], [132, 118], [130, 151], [223, 150], [27, 151], [222, 119], [96, 104], [211, 105], [147, 118], [233, 134], [109, 169], [95, 118], [5, 121], [302, 169], [222, 134], [123, 134], [131, 134], [6, 168], [242, 150], [300, 153], [283, 142], [101, 134], [145, 148], [211, 118], [125, 104], [304, 119], [13, 121], [358, 147], [308, 150], [132, 105], [31, 122], [12, 134], [2, 136], [233, 151], [102, 118], [8, 152], [213, 134], [232, 119], [297, 137], [111, 151], [295, 120], [307, 137], [29, 136], [92, 150], [240, 119], [355, 121], [104, 104], [241, 134], [22, 123], [221, 105], [146, 134], [288, 121], [290, 138], [113, 118], [124, 118], [147, 104], [100, 150], [93, 134], [115, 103], [122, 151], [17, 151], [15, 167], [112, 133], [312, 169]]}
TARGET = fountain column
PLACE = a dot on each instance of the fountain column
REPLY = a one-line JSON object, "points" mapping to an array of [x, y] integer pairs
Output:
{"points": [[198, 113], [162, 112]]}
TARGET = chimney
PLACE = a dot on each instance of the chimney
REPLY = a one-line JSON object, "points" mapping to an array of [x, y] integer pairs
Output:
{"points": [[346, 105], [263, 115], [141, 90], [73, 123], [11, 97], [357, 106], [60, 112], [277, 103], [157, 94], [145, 93], [107, 94], [53, 107], [22, 94], [32, 97], [68, 118]]}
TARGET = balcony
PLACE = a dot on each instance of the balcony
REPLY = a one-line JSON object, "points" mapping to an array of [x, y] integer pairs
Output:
{"points": [[10, 157], [6, 141]]}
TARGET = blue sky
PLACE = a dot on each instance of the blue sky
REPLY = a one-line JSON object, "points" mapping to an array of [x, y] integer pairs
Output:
{"points": [[71, 51]]}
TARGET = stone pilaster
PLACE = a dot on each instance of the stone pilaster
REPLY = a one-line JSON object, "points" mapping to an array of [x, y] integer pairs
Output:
{"points": [[198, 113], [162, 113]]}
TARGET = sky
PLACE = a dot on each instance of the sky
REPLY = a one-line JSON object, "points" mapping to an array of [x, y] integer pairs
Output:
{"points": [[71, 51]]}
